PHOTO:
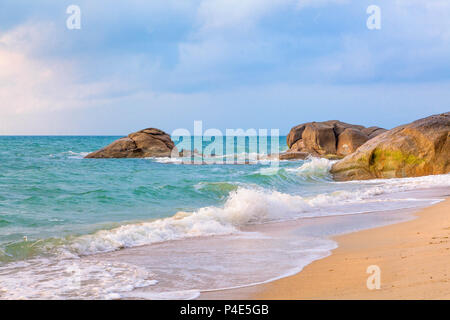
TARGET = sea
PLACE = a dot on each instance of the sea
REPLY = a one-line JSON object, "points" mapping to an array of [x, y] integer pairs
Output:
{"points": [[163, 228]]}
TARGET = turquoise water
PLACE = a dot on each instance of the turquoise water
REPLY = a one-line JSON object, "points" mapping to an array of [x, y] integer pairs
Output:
{"points": [[47, 189], [59, 211]]}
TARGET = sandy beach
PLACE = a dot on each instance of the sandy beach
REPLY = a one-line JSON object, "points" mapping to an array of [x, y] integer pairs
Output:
{"points": [[413, 257]]}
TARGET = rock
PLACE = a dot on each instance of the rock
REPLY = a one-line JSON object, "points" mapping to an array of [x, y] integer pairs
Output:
{"points": [[372, 132], [322, 139], [340, 126], [295, 134], [350, 140], [298, 145], [332, 157], [189, 153], [319, 138], [293, 155], [149, 142], [416, 149]]}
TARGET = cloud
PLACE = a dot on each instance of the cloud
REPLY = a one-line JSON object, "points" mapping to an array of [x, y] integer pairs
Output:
{"points": [[30, 83], [231, 33]]}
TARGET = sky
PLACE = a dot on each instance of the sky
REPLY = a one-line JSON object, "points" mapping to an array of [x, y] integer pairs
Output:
{"points": [[263, 64]]}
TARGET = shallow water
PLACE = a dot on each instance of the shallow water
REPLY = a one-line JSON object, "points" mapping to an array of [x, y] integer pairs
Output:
{"points": [[156, 228]]}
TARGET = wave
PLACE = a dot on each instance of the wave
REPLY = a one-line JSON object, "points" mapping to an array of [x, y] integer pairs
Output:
{"points": [[292, 178], [246, 206], [219, 189], [70, 155], [77, 155], [312, 169], [315, 169]]}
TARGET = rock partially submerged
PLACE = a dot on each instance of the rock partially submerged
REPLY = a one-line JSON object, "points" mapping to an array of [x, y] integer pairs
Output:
{"points": [[293, 155], [416, 149], [329, 139], [149, 142]]}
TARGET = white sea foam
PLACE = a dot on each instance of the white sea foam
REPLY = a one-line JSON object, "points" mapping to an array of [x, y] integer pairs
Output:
{"points": [[244, 158], [189, 267], [169, 295], [168, 160], [314, 168], [70, 155], [404, 184], [76, 155], [71, 279]]}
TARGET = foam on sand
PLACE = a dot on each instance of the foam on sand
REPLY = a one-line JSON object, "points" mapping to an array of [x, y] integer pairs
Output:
{"points": [[71, 278]]}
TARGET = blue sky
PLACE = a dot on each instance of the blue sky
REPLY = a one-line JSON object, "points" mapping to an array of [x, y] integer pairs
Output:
{"points": [[231, 63]]}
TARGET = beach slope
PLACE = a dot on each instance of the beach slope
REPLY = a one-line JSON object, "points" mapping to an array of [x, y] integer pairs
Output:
{"points": [[413, 257]]}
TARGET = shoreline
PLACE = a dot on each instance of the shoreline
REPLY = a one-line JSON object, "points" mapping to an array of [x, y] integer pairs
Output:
{"points": [[413, 257]]}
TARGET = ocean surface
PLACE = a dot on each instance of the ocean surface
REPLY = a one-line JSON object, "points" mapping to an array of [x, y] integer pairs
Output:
{"points": [[160, 228]]}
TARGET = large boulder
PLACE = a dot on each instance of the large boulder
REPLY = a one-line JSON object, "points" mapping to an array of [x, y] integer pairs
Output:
{"points": [[350, 140], [319, 138], [149, 142], [328, 139], [416, 149]]}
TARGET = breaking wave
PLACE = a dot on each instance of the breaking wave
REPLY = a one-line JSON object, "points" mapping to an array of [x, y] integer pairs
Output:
{"points": [[246, 206]]}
